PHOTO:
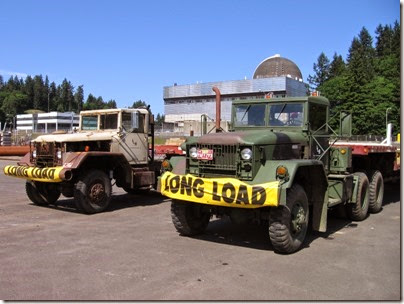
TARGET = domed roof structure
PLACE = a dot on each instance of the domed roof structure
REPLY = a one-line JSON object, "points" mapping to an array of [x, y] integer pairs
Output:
{"points": [[276, 66]]}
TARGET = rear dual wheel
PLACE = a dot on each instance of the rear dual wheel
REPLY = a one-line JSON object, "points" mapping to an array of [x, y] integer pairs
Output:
{"points": [[369, 197], [358, 211], [376, 191]]}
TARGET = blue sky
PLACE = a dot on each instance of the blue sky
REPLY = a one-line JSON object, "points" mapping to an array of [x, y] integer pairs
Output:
{"points": [[129, 50]]}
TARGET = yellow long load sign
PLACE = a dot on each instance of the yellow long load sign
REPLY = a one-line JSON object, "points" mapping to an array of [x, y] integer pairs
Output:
{"points": [[228, 192], [50, 175]]}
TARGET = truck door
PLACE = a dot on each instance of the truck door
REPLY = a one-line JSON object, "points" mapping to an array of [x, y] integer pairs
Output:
{"points": [[134, 142]]}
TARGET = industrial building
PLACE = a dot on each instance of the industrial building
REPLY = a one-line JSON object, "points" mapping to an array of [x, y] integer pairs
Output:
{"points": [[274, 76]]}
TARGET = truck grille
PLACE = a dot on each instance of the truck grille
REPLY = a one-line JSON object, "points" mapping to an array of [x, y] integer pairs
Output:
{"points": [[224, 161], [45, 154]]}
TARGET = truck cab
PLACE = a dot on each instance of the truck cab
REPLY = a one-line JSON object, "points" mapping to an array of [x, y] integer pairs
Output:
{"points": [[130, 129]]}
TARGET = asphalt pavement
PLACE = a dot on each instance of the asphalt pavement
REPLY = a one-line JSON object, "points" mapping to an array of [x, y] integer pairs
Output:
{"points": [[132, 252]]}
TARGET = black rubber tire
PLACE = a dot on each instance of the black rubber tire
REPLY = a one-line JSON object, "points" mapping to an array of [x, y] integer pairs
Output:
{"points": [[68, 191], [92, 192], [376, 191], [288, 225], [42, 194], [359, 210], [188, 218]]}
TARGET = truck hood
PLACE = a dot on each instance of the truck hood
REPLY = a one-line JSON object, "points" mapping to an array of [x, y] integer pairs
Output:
{"points": [[77, 137], [253, 137]]}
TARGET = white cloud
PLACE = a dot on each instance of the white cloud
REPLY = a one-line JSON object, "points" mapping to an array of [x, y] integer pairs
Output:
{"points": [[9, 73]]}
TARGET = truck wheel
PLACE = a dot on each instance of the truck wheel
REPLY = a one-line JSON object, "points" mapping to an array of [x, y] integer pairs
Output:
{"points": [[42, 194], [93, 192], [188, 218], [288, 225], [359, 210], [376, 191]]}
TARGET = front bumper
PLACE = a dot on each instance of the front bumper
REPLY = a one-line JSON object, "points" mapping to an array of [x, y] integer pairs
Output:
{"points": [[227, 192], [47, 174]]}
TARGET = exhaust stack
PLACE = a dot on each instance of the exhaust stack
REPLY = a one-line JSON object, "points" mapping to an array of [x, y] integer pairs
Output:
{"points": [[218, 109]]}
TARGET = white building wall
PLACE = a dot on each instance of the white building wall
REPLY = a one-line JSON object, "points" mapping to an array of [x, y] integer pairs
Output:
{"points": [[47, 122]]}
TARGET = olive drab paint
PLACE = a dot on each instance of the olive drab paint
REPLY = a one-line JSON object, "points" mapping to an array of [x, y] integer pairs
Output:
{"points": [[228, 192], [50, 175]]}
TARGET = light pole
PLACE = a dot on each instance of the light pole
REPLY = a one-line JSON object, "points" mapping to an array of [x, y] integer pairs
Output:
{"points": [[387, 113]]}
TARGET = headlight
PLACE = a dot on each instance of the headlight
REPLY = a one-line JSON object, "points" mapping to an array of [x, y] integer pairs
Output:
{"points": [[59, 154], [34, 153], [193, 152], [246, 154]]}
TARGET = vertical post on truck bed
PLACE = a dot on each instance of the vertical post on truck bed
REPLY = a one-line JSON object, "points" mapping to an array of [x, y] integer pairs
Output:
{"points": [[345, 124], [151, 124]]}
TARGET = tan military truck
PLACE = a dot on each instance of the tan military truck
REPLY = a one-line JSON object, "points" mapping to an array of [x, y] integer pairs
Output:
{"points": [[112, 144]]}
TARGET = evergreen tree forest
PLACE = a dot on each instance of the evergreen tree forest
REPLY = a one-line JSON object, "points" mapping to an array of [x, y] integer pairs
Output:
{"points": [[19, 96], [366, 83]]}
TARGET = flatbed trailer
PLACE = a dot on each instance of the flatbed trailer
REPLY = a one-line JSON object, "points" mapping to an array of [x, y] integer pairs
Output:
{"points": [[369, 156]]}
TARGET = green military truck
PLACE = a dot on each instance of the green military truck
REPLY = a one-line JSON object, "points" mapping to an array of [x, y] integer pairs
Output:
{"points": [[278, 165], [110, 144]]}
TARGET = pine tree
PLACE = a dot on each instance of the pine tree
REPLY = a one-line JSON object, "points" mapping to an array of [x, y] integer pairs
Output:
{"points": [[53, 96], [28, 89], [40, 97], [361, 60], [138, 104], [321, 70], [384, 39], [66, 97], [79, 97], [111, 104], [396, 40], [370, 81], [91, 103], [337, 66]]}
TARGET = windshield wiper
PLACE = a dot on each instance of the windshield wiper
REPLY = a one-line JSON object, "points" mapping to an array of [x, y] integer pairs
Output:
{"points": [[245, 113], [283, 108]]}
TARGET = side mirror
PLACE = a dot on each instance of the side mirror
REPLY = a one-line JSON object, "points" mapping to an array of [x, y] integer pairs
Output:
{"points": [[345, 124]]}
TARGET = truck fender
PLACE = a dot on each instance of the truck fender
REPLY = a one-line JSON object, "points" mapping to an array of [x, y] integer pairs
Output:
{"points": [[311, 176], [111, 161], [178, 163]]}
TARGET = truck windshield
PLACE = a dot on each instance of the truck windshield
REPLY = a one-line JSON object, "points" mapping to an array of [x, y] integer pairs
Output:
{"points": [[107, 122], [249, 115], [286, 115], [89, 122]]}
